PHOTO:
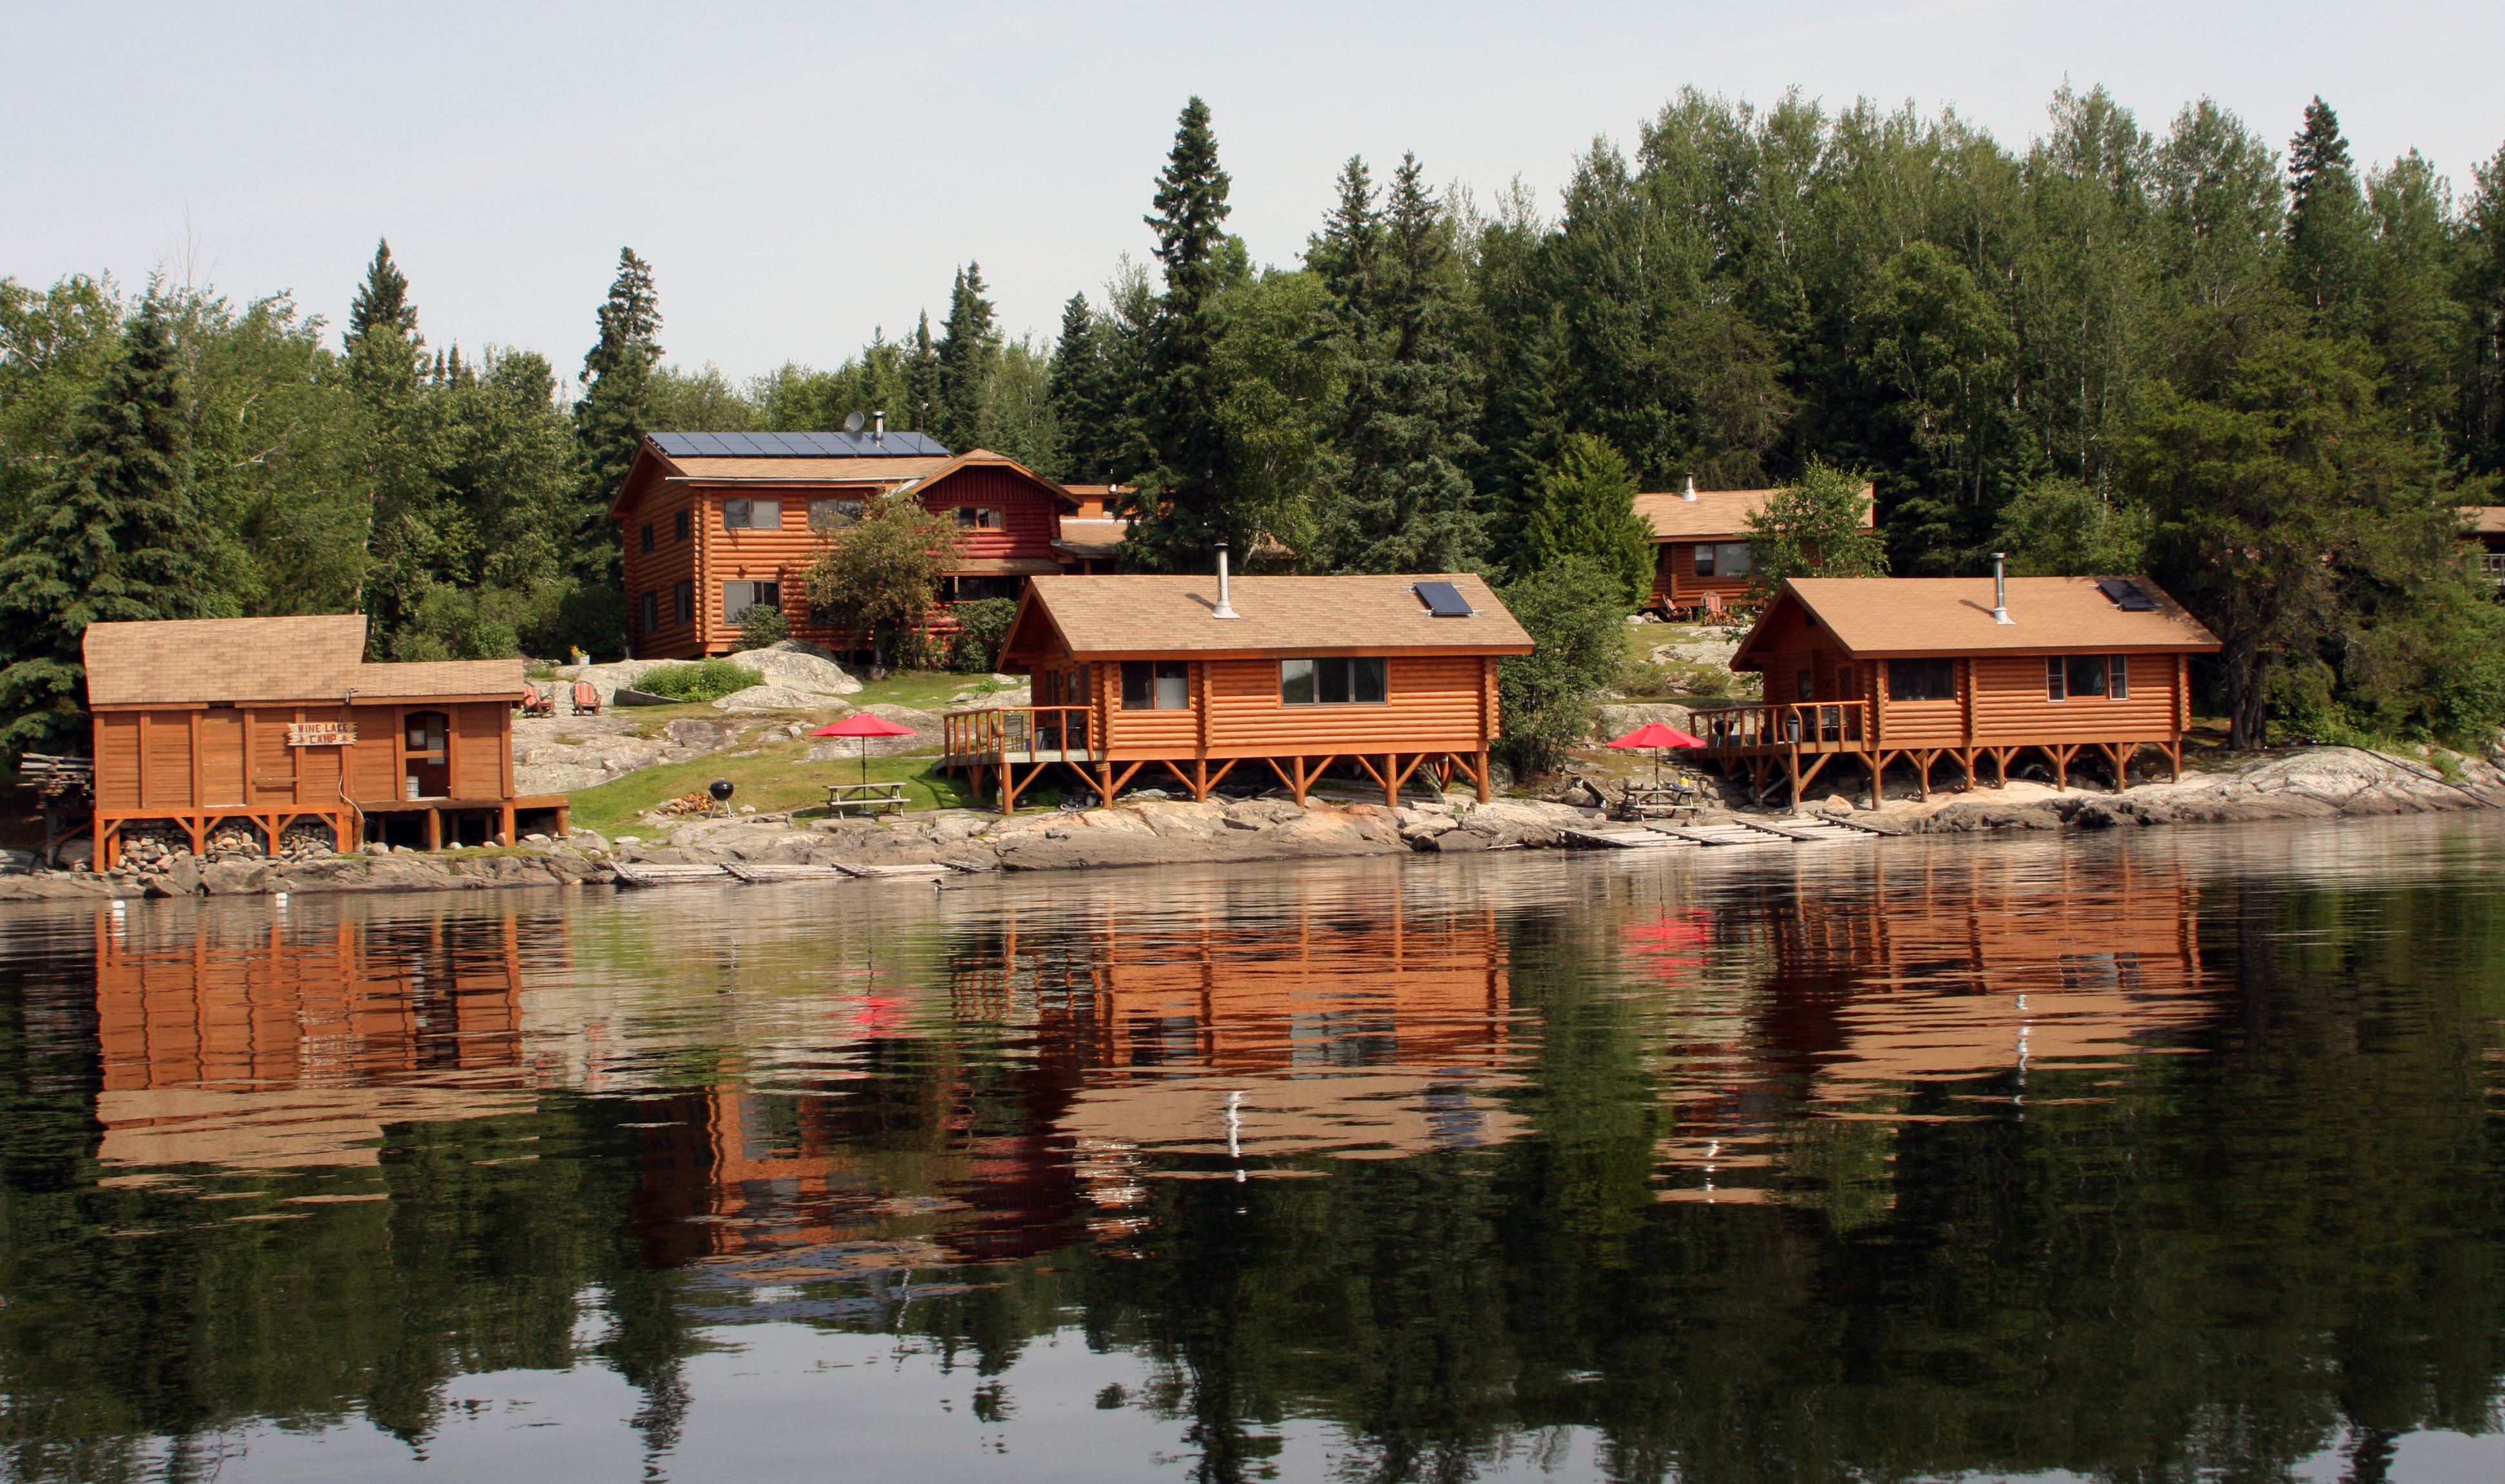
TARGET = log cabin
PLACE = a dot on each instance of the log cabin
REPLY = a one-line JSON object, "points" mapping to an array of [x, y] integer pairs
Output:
{"points": [[1880, 670], [714, 522], [1196, 676], [1700, 544], [263, 723], [2485, 525]]}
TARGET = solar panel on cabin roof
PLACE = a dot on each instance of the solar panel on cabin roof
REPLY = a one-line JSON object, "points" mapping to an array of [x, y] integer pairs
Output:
{"points": [[2127, 596], [1443, 600], [797, 446]]}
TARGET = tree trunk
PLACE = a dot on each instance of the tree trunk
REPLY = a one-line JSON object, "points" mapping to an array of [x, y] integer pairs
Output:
{"points": [[2247, 710]]}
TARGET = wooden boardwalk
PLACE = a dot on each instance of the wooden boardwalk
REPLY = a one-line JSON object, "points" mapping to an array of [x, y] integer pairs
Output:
{"points": [[1738, 831]]}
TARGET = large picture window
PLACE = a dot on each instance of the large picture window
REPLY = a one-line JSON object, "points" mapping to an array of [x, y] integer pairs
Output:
{"points": [[1723, 559], [825, 514], [2077, 677], [1157, 685], [752, 514], [1921, 679], [1357, 681], [738, 598]]}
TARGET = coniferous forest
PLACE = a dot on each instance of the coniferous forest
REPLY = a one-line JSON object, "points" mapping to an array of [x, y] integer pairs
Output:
{"points": [[2221, 350]]}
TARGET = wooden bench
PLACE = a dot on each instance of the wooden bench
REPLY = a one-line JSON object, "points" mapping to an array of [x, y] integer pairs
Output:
{"points": [[871, 798]]}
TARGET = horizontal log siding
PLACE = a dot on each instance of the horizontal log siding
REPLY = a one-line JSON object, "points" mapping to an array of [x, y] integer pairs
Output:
{"points": [[2010, 708], [1922, 723], [1674, 582], [1433, 705], [671, 562], [781, 555], [1027, 515]]}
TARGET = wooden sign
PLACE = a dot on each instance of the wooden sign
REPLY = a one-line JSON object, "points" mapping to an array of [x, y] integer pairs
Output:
{"points": [[320, 734]]}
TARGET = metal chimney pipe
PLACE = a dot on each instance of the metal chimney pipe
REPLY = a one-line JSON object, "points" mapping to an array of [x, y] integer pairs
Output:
{"points": [[2001, 589], [878, 423], [1689, 494], [1224, 609]]}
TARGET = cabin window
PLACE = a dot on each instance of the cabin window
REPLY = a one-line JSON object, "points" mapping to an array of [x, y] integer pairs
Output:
{"points": [[652, 613], [681, 526], [1157, 685], [2118, 677], [1335, 681], [1921, 679], [738, 598], [423, 751], [648, 538], [2069, 677], [824, 513], [1804, 685], [972, 589], [1723, 559], [752, 514], [980, 518], [683, 602]]}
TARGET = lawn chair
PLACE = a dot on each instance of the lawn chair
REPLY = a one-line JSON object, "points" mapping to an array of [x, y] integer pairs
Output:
{"points": [[538, 699], [1710, 605], [586, 699]]}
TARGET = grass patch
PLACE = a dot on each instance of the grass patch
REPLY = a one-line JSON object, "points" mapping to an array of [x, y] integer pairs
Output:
{"points": [[780, 777]]}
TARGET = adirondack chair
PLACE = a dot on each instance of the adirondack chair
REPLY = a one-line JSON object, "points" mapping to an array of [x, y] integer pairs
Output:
{"points": [[1711, 605], [538, 699], [586, 699]]}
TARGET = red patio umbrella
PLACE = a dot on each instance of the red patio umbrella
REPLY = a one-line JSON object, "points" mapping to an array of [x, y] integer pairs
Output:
{"points": [[864, 725], [1656, 736]]}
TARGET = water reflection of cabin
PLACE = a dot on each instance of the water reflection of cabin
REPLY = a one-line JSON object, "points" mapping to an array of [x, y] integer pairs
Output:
{"points": [[1131, 672], [1881, 670], [270, 721]]}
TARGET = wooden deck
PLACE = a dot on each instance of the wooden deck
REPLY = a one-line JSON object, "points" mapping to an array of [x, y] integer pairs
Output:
{"points": [[1786, 745]]}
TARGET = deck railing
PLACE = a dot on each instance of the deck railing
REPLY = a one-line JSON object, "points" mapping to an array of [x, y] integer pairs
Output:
{"points": [[1802, 726], [1029, 733]]}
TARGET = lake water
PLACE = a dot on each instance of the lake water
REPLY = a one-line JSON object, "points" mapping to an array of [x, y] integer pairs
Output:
{"points": [[2153, 1156]]}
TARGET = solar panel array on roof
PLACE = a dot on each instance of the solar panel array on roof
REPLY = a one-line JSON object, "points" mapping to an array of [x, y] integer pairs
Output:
{"points": [[2127, 596], [797, 445], [1443, 600]]}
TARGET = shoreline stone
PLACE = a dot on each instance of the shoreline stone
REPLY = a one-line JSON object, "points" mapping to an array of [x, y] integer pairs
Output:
{"points": [[2308, 783]]}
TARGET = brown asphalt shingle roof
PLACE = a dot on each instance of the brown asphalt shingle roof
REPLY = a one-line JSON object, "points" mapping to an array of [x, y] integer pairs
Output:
{"points": [[802, 470], [1719, 514], [313, 657], [2486, 520], [1365, 614], [1952, 616]]}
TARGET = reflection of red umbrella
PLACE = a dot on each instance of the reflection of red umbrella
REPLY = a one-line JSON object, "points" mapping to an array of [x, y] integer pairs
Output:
{"points": [[1655, 736], [864, 725]]}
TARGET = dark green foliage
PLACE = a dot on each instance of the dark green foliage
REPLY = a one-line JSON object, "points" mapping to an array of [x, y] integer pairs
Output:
{"points": [[702, 680], [764, 624], [2060, 527], [1586, 513], [1545, 698], [1184, 507], [921, 382], [1403, 500], [1090, 397], [612, 416], [1813, 528], [2329, 240], [970, 346], [981, 625], [114, 539]]}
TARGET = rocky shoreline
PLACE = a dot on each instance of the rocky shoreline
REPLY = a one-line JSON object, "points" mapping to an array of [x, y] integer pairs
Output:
{"points": [[2309, 784]]}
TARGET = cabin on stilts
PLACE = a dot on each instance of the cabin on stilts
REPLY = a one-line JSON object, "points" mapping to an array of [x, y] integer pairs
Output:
{"points": [[1197, 677], [212, 726], [1972, 670]]}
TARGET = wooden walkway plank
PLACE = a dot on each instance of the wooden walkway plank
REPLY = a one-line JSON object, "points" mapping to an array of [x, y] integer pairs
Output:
{"points": [[667, 874]]}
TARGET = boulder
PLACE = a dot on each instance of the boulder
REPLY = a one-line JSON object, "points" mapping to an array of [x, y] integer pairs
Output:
{"points": [[795, 663], [606, 679], [627, 695], [1619, 720], [773, 698]]}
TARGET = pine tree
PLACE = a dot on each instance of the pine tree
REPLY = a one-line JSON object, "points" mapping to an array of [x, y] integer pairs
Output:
{"points": [[1182, 504], [969, 345], [1406, 502], [1086, 401], [114, 537], [1587, 509], [609, 422], [2328, 235], [922, 380]]}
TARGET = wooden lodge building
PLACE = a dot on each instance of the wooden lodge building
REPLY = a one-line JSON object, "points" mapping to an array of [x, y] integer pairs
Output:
{"points": [[714, 522], [1700, 544], [2485, 525], [1880, 670], [1197, 677], [265, 722]]}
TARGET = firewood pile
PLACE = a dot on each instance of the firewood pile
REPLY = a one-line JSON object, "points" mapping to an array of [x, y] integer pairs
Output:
{"points": [[62, 782], [698, 802]]}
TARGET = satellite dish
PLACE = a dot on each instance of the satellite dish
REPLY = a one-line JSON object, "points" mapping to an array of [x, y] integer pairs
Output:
{"points": [[853, 422]]}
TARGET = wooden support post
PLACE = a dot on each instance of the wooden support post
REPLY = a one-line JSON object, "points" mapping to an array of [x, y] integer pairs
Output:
{"points": [[2176, 753], [508, 836], [1966, 756], [434, 829], [1392, 776], [1481, 759]]}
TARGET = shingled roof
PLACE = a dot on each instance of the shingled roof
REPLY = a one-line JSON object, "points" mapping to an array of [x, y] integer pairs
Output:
{"points": [[1716, 514], [1882, 616], [1151, 615], [313, 657]]}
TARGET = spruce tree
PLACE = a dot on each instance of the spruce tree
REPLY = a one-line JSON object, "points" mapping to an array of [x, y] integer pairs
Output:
{"points": [[1086, 397], [114, 537], [2328, 234], [969, 345], [921, 381], [608, 421], [1406, 502], [1587, 510], [1182, 504]]}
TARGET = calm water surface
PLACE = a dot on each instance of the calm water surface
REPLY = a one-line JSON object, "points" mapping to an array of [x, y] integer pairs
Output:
{"points": [[2143, 1157]]}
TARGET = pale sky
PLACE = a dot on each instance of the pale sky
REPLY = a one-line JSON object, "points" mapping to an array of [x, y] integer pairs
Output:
{"points": [[798, 174]]}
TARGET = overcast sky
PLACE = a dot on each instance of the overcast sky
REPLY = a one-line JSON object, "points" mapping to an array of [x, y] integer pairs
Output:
{"points": [[798, 174]]}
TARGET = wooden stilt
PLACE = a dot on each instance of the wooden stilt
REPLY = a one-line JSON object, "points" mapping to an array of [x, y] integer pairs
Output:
{"points": [[434, 829], [1966, 756], [508, 836], [1481, 759], [2176, 753]]}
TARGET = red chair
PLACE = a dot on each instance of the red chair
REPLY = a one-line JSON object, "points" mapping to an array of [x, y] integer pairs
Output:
{"points": [[586, 699]]}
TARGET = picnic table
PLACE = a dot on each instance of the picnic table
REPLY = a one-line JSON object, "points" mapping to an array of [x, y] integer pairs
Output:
{"points": [[1659, 801], [870, 798]]}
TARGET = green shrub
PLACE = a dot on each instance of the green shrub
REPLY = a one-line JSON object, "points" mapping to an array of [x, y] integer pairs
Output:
{"points": [[1548, 696], [761, 625], [981, 626], [704, 680]]}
